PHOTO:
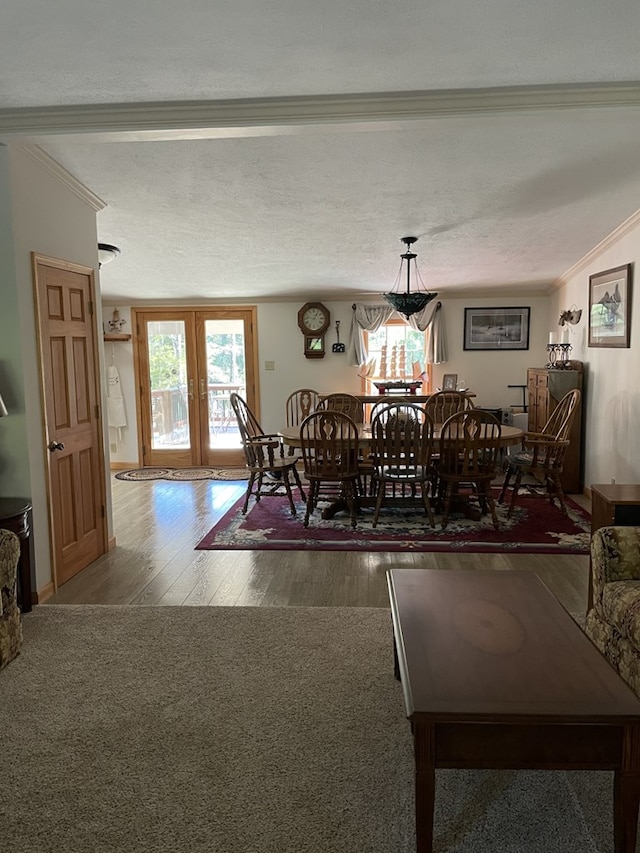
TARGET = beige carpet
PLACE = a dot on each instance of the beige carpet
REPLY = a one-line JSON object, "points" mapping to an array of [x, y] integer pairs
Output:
{"points": [[244, 730]]}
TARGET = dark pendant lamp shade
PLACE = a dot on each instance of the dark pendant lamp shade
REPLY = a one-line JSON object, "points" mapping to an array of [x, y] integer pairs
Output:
{"points": [[409, 302]]}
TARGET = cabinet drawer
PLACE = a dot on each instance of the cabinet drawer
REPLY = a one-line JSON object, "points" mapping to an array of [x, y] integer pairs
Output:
{"points": [[542, 380]]}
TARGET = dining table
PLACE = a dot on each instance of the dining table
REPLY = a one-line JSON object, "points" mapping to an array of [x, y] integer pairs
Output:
{"points": [[510, 435]]}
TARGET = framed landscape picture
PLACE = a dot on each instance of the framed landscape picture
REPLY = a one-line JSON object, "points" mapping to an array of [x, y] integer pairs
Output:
{"points": [[496, 328], [610, 308]]}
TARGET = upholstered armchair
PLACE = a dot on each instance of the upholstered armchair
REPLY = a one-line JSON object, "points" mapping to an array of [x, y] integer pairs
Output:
{"points": [[613, 617], [10, 627]]}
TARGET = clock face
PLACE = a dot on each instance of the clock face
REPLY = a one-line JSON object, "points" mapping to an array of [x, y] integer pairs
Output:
{"points": [[314, 318]]}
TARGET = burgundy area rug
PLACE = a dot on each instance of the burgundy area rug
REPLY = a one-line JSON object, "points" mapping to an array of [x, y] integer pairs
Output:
{"points": [[536, 527]]}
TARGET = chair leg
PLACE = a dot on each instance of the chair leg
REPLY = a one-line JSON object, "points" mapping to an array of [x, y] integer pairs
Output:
{"points": [[287, 488], [427, 503], [247, 494], [379, 499], [350, 496], [447, 504], [484, 491], [516, 486], [259, 487], [312, 498], [505, 484], [558, 493], [296, 477]]}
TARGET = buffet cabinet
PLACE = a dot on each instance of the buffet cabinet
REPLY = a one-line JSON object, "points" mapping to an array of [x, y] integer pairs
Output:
{"points": [[545, 388]]}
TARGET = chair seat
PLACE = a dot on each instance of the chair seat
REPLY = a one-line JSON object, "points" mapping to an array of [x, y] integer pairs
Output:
{"points": [[401, 474], [276, 465], [621, 608], [521, 458]]}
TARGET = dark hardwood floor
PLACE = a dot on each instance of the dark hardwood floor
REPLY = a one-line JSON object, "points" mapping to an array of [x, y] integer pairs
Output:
{"points": [[157, 523]]}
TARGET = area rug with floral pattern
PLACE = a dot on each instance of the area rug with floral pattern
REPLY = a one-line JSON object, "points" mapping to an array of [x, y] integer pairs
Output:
{"points": [[199, 473], [535, 527]]}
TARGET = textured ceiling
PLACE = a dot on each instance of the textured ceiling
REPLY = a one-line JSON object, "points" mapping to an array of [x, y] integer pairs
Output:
{"points": [[500, 199]]}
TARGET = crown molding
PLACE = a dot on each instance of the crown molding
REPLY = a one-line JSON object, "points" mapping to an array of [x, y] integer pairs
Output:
{"points": [[586, 261], [35, 153], [222, 117]]}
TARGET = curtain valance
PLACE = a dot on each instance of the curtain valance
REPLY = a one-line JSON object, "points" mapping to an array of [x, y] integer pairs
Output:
{"points": [[369, 318]]}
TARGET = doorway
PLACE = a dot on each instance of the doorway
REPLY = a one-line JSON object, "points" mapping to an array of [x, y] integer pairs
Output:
{"points": [[64, 301], [188, 363]]}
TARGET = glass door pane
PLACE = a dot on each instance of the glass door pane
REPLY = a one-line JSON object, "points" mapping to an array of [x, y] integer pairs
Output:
{"points": [[225, 373], [189, 364], [167, 354]]}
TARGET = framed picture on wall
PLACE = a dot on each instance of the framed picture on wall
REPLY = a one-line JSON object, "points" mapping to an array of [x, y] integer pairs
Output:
{"points": [[610, 308], [496, 328], [450, 382]]}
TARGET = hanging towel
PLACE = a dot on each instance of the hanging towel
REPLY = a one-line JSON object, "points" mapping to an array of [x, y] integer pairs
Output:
{"points": [[115, 404]]}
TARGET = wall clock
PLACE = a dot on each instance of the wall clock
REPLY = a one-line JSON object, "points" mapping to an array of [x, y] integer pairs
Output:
{"points": [[313, 320]]}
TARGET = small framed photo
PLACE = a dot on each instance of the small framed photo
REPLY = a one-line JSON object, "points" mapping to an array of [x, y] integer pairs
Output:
{"points": [[496, 328], [450, 382], [610, 308]]}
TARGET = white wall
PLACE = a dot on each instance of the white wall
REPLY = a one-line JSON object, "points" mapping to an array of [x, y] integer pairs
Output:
{"points": [[48, 217], [487, 373], [612, 397]]}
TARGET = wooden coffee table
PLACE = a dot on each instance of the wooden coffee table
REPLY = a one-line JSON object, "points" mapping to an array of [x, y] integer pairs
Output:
{"points": [[496, 674]]}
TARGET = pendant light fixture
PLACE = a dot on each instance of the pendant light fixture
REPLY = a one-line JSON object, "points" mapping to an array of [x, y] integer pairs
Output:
{"points": [[409, 302]]}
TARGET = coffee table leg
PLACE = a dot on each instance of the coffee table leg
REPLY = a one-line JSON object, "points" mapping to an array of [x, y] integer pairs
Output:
{"points": [[425, 789], [626, 793]]}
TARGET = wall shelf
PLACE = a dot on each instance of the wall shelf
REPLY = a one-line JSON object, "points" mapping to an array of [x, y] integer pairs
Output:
{"points": [[116, 336]]}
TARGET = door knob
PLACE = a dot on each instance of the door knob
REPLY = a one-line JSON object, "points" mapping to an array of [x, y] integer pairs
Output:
{"points": [[56, 445]]}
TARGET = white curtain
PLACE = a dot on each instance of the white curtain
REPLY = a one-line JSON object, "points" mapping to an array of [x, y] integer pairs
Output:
{"points": [[365, 318], [370, 317], [431, 321]]}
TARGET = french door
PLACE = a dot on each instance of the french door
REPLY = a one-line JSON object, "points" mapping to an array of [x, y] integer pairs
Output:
{"points": [[188, 363]]}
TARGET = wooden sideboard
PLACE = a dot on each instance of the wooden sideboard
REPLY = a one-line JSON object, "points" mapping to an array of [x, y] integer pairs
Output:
{"points": [[545, 388], [612, 505], [616, 505]]}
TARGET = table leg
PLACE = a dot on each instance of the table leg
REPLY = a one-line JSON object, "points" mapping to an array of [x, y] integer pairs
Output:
{"points": [[626, 793], [425, 786]]}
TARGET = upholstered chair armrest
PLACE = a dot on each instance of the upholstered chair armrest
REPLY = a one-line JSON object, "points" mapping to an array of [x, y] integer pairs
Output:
{"points": [[615, 556], [9, 556]]}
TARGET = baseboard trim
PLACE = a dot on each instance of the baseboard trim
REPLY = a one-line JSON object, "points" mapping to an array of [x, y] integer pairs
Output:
{"points": [[123, 466], [45, 593]]}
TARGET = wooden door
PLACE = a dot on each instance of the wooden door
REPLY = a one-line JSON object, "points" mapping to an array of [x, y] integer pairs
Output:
{"points": [[188, 362], [72, 422]]}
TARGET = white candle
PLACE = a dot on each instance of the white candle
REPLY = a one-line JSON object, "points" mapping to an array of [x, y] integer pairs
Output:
{"points": [[552, 337], [565, 335]]}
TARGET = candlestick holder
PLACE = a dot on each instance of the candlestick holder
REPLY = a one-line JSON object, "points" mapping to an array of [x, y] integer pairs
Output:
{"points": [[559, 356]]}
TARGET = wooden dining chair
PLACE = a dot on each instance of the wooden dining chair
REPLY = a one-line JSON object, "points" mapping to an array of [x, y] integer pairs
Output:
{"points": [[329, 442], [299, 406], [542, 455], [345, 403], [401, 446], [469, 451], [269, 469], [441, 405]]}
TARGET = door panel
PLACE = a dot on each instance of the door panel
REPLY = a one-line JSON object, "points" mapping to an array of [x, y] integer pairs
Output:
{"points": [[189, 363], [70, 387]]}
